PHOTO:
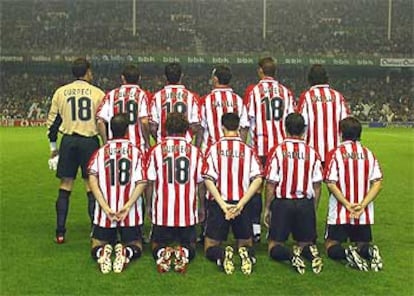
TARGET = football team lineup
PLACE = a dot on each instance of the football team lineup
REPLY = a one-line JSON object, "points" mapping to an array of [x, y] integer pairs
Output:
{"points": [[206, 147], [221, 182]]}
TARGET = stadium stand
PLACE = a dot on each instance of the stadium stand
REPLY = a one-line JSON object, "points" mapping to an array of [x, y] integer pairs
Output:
{"points": [[321, 28], [372, 96], [304, 27]]}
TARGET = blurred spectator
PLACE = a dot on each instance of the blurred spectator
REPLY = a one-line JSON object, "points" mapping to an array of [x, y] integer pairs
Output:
{"points": [[293, 27], [27, 87]]}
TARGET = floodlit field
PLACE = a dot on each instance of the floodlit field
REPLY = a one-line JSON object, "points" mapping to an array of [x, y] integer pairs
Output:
{"points": [[31, 263]]}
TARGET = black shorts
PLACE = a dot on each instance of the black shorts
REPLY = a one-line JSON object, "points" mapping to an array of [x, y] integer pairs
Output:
{"points": [[167, 235], [110, 235], [217, 227], [355, 233], [296, 216], [75, 151]]}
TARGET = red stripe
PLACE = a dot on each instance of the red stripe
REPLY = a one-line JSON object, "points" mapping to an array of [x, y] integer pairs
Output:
{"points": [[325, 125], [128, 185], [116, 175], [347, 181], [335, 123], [115, 99], [307, 173], [315, 121], [294, 185], [284, 172], [164, 187], [107, 183], [355, 177], [197, 173], [261, 121], [162, 97], [214, 133], [191, 180], [338, 204], [229, 184], [365, 182], [177, 186], [242, 169], [217, 148], [158, 185]]}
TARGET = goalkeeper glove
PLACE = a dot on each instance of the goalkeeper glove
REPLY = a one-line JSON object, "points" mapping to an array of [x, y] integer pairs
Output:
{"points": [[53, 162]]}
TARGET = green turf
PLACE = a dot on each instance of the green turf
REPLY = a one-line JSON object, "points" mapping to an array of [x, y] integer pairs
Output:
{"points": [[31, 263]]}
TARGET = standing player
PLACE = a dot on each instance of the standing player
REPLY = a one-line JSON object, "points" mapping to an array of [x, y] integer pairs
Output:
{"points": [[294, 176], [131, 99], [268, 103], [73, 112], [174, 97], [174, 165], [117, 179], [323, 108], [354, 179], [232, 174], [221, 100]]}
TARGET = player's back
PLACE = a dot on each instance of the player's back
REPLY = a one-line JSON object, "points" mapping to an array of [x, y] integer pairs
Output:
{"points": [[118, 165], [323, 108], [233, 164], [294, 165], [268, 104], [213, 106], [129, 99], [352, 167], [173, 98], [76, 103], [175, 166]]}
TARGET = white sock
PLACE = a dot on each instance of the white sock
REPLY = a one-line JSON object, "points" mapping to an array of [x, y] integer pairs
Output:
{"points": [[256, 229]]}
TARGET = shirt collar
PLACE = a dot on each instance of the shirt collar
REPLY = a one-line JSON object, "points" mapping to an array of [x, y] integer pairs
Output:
{"points": [[319, 86], [294, 140]]}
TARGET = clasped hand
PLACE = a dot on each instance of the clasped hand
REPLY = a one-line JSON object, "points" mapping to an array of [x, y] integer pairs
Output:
{"points": [[355, 210], [118, 216], [231, 211]]}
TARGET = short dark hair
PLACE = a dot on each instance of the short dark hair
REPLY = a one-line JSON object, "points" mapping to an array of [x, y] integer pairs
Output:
{"points": [[173, 72], [268, 66], [230, 121], [80, 66], [131, 73], [350, 128], [223, 74], [295, 124], [119, 125], [317, 75], [176, 123]]}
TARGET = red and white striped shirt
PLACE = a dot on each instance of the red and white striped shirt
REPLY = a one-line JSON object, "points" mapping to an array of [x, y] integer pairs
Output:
{"points": [[175, 166], [352, 167], [294, 167], [213, 106], [231, 164], [268, 104], [174, 98], [322, 108], [118, 166], [130, 99]]}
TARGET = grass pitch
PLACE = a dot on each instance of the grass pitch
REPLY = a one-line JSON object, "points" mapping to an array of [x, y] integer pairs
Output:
{"points": [[31, 263]]}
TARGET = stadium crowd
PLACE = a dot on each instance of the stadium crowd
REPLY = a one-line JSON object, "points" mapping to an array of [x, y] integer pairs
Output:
{"points": [[293, 27], [372, 97]]}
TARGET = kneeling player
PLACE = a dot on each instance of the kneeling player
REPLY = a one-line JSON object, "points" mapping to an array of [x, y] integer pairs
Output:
{"points": [[117, 181], [174, 166], [353, 177], [294, 176], [230, 166]]}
